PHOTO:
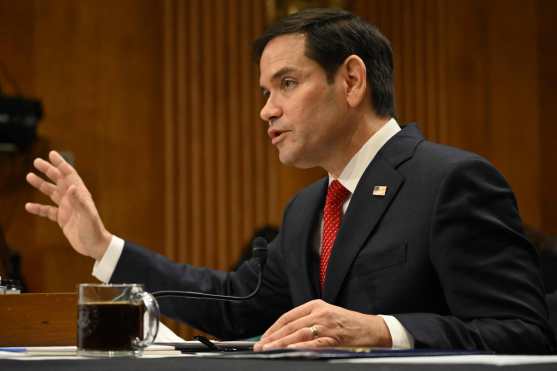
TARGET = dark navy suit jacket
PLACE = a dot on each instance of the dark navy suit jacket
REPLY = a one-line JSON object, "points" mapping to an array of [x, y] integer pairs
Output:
{"points": [[443, 251]]}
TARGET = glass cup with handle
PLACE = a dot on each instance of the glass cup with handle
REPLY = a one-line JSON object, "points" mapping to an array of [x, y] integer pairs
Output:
{"points": [[115, 320]]}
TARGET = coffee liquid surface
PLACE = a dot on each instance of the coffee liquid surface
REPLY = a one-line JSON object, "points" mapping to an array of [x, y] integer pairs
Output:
{"points": [[109, 325]]}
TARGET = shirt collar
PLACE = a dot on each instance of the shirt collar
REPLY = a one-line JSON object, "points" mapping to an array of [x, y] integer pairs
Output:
{"points": [[351, 174]]}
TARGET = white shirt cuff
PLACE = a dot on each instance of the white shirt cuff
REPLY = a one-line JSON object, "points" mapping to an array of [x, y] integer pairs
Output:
{"points": [[402, 339], [103, 268]]}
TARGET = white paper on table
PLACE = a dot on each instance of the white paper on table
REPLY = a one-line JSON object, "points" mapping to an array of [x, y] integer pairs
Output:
{"points": [[166, 335]]}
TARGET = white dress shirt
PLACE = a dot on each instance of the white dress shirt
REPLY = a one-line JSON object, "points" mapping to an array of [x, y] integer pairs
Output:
{"points": [[349, 178]]}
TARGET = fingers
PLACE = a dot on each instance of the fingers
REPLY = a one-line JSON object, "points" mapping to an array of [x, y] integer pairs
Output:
{"points": [[294, 331], [292, 315], [47, 169], [56, 168], [299, 336], [57, 160], [295, 326], [45, 211], [43, 186]]}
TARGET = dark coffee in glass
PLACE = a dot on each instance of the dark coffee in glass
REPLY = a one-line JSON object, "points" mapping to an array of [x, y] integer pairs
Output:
{"points": [[115, 320], [109, 326]]}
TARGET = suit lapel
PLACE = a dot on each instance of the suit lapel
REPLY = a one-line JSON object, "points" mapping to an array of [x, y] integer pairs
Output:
{"points": [[305, 223], [365, 209]]}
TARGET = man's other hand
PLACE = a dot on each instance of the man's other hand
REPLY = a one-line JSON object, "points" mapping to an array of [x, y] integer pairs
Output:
{"points": [[320, 324], [73, 209]]}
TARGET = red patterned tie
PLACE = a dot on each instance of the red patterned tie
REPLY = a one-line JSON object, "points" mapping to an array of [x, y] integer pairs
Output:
{"points": [[336, 195]]}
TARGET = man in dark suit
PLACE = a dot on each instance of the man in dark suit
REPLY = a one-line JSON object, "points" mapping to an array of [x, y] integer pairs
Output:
{"points": [[406, 243]]}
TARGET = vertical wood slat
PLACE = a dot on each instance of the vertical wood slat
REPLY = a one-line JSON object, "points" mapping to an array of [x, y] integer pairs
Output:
{"points": [[222, 130], [207, 127], [442, 72], [234, 181], [169, 25], [194, 123]]}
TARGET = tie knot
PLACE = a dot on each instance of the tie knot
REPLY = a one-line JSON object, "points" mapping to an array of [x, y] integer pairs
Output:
{"points": [[336, 194]]}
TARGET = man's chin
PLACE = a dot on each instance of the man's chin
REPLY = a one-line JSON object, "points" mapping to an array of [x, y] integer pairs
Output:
{"points": [[293, 161]]}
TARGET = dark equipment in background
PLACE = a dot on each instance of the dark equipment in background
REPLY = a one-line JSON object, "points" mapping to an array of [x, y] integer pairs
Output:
{"points": [[19, 118], [10, 265], [19, 115]]}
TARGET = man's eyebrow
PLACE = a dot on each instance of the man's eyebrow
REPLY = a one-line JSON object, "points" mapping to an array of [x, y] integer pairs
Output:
{"points": [[283, 71]]}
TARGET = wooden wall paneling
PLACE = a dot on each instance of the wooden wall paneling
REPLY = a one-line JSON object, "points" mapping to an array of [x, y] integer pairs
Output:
{"points": [[96, 70], [430, 47], [172, 24], [547, 77], [419, 67], [194, 122], [246, 121], [220, 155], [467, 103], [441, 71], [512, 135], [208, 129], [408, 61], [17, 41], [171, 169], [130, 106], [233, 179], [222, 128], [62, 72], [183, 140], [261, 204]]}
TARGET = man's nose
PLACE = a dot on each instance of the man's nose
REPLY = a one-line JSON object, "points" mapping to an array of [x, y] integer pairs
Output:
{"points": [[270, 111]]}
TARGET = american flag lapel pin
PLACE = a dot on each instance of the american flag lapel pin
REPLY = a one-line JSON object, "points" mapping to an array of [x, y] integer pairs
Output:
{"points": [[379, 191]]}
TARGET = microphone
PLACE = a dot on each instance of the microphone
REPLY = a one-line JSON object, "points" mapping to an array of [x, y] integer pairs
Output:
{"points": [[259, 251]]}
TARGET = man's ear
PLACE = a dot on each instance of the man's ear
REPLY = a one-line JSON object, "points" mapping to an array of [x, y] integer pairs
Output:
{"points": [[355, 81]]}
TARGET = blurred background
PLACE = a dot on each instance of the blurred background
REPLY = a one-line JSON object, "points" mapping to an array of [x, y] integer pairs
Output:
{"points": [[156, 103]]}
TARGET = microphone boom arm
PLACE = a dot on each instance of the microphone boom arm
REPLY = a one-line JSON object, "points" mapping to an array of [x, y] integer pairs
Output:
{"points": [[259, 252]]}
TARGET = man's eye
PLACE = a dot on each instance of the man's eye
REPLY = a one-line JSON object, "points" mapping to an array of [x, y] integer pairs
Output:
{"points": [[288, 84]]}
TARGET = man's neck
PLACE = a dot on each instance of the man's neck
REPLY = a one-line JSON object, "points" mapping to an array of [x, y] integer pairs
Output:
{"points": [[365, 130]]}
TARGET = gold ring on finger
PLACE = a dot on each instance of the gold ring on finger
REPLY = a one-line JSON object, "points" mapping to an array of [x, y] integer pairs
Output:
{"points": [[314, 331]]}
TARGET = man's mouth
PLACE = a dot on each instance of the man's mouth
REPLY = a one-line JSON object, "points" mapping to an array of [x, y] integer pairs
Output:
{"points": [[276, 135], [277, 139]]}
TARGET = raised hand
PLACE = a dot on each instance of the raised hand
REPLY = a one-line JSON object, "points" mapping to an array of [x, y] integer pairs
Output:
{"points": [[320, 324], [73, 209]]}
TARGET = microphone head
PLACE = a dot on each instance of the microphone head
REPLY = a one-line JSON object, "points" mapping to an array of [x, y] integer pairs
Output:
{"points": [[259, 249]]}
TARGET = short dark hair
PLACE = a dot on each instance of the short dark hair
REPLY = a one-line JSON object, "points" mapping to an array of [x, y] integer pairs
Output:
{"points": [[332, 35]]}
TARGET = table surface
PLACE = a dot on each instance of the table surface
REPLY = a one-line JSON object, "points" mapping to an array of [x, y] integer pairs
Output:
{"points": [[202, 364]]}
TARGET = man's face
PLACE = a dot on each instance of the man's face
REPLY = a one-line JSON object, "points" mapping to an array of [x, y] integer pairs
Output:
{"points": [[305, 113]]}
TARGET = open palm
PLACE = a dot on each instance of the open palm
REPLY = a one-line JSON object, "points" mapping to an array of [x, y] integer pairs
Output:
{"points": [[73, 209]]}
